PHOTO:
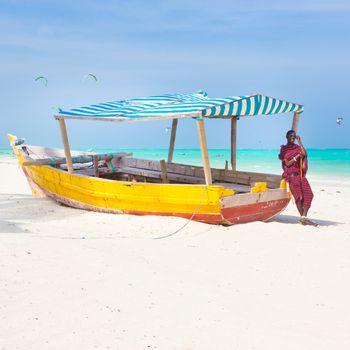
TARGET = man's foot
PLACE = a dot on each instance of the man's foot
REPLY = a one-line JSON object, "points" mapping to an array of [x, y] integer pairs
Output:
{"points": [[305, 221]]}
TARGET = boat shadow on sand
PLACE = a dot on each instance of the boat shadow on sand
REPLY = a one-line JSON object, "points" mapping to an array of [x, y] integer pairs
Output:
{"points": [[17, 210], [291, 219]]}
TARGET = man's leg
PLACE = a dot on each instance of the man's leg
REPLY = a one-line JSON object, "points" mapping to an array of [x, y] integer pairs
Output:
{"points": [[300, 208], [304, 220], [303, 215], [295, 188], [305, 210], [306, 202], [307, 194], [303, 195]]}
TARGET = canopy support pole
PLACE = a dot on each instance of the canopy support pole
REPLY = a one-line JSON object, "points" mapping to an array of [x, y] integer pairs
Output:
{"points": [[66, 145], [172, 140], [95, 162], [295, 121], [233, 142], [164, 171], [204, 151]]}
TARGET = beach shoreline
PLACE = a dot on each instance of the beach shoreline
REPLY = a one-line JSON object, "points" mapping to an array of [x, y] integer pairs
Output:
{"points": [[73, 278]]}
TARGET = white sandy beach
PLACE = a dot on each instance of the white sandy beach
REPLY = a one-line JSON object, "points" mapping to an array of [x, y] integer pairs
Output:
{"points": [[73, 279]]}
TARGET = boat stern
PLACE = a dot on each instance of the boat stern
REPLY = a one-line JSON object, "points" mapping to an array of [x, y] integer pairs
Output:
{"points": [[254, 206]]}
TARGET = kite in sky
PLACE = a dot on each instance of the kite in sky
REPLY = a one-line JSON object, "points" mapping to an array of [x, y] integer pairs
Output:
{"points": [[44, 79], [93, 76], [339, 120]]}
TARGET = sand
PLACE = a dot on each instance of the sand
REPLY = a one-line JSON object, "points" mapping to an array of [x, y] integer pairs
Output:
{"points": [[73, 279]]}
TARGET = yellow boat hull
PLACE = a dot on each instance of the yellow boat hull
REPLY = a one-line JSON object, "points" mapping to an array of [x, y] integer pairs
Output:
{"points": [[198, 202]]}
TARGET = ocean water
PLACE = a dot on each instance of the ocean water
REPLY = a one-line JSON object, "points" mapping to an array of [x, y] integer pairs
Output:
{"points": [[332, 164]]}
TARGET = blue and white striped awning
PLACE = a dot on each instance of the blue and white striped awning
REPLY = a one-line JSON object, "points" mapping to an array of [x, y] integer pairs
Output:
{"points": [[173, 106]]}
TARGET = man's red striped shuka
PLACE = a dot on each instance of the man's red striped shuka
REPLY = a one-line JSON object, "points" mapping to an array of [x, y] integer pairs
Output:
{"points": [[295, 175]]}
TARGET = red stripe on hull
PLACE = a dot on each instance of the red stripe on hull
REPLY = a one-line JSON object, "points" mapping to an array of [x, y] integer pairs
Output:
{"points": [[230, 216]]}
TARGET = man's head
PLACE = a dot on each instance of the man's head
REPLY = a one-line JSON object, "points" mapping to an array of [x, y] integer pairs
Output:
{"points": [[290, 136]]}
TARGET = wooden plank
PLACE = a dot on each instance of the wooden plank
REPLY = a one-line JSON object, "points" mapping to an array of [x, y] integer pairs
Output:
{"points": [[131, 162], [233, 143], [204, 151], [258, 176], [58, 161], [242, 177], [76, 159], [295, 121], [171, 167], [222, 175], [158, 175], [66, 144], [249, 178], [37, 152], [86, 172], [172, 140], [164, 171], [95, 162], [186, 170]]}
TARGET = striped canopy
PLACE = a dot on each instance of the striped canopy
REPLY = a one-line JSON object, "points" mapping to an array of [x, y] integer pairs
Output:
{"points": [[173, 106]]}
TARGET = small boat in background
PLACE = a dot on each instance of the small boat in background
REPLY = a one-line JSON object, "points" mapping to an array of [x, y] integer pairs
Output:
{"points": [[120, 183]]}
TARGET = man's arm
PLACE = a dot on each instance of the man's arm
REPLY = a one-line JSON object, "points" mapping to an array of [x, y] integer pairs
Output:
{"points": [[303, 150]]}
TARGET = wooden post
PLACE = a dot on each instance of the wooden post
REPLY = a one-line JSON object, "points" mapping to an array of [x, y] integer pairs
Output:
{"points": [[95, 161], [172, 140], [204, 150], [226, 166], [164, 171], [226, 171], [233, 142], [66, 144], [295, 121]]}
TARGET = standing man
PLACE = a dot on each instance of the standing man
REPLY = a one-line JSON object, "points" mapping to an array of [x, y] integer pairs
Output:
{"points": [[294, 164]]}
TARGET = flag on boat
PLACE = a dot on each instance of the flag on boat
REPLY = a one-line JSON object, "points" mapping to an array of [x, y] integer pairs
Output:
{"points": [[173, 106]]}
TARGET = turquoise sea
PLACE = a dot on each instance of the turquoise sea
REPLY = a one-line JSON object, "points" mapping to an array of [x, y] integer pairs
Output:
{"points": [[332, 164]]}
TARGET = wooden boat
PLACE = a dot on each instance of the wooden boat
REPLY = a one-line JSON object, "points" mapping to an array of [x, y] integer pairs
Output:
{"points": [[120, 183]]}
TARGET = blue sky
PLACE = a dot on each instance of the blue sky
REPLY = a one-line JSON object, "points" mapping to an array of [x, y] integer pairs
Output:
{"points": [[298, 51]]}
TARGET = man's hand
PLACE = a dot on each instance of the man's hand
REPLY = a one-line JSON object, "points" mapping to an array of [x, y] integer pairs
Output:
{"points": [[298, 138]]}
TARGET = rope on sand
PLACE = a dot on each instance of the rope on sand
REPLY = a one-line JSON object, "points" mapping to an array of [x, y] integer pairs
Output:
{"points": [[189, 220]]}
